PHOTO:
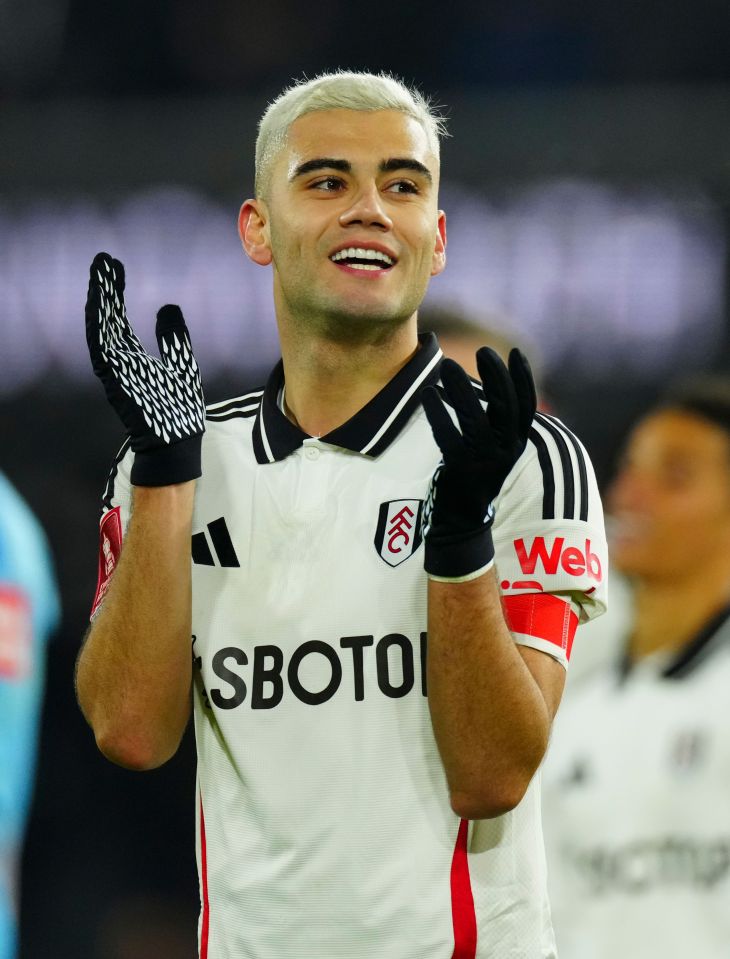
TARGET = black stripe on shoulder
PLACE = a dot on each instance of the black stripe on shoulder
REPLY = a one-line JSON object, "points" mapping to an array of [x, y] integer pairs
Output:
{"points": [[258, 443], [548, 475], [580, 459], [248, 399], [109, 489], [232, 415], [566, 464]]}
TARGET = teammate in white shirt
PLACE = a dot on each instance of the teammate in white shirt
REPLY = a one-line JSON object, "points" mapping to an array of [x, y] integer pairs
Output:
{"points": [[637, 820], [372, 693]]}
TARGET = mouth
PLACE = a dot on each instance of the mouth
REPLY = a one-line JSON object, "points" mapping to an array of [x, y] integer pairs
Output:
{"points": [[360, 259]]}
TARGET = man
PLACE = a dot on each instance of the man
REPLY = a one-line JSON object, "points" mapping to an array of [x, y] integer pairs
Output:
{"points": [[28, 614], [356, 796], [636, 813]]}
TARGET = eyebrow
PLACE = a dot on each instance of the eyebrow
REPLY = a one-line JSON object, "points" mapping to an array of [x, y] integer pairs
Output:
{"points": [[405, 163], [344, 166]]}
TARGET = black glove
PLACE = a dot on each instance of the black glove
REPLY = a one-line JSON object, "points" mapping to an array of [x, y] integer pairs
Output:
{"points": [[459, 511], [160, 402]]}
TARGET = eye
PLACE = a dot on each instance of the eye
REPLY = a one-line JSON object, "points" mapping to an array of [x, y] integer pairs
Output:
{"points": [[327, 184], [402, 186], [678, 475]]}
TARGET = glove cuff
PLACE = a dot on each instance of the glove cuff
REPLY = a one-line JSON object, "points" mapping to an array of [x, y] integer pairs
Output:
{"points": [[168, 465], [460, 556]]}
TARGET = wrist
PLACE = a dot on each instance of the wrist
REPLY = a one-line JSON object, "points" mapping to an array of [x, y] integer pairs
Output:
{"points": [[460, 556], [175, 501], [168, 465]]}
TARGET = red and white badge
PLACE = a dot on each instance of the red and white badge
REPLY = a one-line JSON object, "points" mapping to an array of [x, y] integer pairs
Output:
{"points": [[16, 633], [110, 546], [398, 533]]}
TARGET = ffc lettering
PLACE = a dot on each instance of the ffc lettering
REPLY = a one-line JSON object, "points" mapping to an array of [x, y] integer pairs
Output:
{"points": [[398, 531], [401, 523], [573, 561], [358, 666]]}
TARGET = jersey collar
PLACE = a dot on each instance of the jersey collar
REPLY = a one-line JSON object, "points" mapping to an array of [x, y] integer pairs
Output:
{"points": [[369, 431], [693, 653], [699, 648]]}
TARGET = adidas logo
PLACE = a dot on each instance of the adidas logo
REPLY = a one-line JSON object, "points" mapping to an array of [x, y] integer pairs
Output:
{"points": [[221, 541]]}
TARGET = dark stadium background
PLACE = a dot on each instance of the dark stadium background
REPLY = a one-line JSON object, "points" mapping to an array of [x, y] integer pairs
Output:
{"points": [[144, 113]]}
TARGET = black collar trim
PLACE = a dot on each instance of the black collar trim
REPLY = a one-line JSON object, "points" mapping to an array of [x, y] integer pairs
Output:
{"points": [[370, 430], [694, 652], [709, 638]]}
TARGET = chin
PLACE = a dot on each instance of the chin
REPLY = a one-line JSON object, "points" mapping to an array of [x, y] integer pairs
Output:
{"points": [[365, 316]]}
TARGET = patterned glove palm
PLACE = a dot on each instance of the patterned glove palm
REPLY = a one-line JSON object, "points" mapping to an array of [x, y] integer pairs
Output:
{"points": [[160, 402], [459, 509]]}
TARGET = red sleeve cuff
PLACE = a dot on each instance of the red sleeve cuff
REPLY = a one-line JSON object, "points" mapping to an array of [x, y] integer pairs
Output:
{"points": [[544, 616]]}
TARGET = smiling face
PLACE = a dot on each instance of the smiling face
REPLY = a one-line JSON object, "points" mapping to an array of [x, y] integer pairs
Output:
{"points": [[671, 498], [350, 222]]}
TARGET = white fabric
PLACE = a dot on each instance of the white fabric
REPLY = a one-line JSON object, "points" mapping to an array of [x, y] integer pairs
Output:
{"points": [[636, 814], [329, 833]]}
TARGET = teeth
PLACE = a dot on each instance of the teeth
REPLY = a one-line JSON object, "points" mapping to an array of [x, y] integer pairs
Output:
{"points": [[359, 253]]}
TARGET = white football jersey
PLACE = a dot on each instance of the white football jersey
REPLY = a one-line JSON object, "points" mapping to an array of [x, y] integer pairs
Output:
{"points": [[636, 812], [324, 824]]}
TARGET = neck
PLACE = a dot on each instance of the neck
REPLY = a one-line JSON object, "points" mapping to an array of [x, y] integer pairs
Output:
{"points": [[327, 382], [668, 613]]}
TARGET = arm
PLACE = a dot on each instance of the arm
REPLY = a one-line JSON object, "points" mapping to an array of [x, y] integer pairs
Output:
{"points": [[492, 702], [133, 677], [134, 671]]}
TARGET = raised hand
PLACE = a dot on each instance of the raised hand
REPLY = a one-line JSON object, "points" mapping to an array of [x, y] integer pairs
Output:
{"points": [[160, 402], [477, 458]]}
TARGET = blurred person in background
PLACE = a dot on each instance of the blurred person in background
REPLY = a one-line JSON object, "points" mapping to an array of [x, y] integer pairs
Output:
{"points": [[356, 797], [460, 335], [636, 783], [29, 611]]}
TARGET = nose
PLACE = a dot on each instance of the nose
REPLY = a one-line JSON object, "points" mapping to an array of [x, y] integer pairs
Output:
{"points": [[367, 209]]}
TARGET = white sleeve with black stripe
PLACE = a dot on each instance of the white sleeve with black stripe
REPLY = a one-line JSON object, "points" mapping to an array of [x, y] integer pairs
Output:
{"points": [[549, 532], [118, 489]]}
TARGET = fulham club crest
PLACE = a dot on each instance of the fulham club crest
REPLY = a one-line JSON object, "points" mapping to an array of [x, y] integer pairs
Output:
{"points": [[398, 534]]}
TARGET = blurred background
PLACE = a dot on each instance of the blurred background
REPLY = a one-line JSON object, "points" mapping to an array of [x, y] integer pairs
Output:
{"points": [[587, 188]]}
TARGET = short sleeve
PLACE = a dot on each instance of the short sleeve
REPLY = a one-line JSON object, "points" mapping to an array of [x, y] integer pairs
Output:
{"points": [[550, 539], [115, 514]]}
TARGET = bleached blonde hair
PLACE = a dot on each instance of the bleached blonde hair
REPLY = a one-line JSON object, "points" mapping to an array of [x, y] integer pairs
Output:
{"points": [[341, 90]]}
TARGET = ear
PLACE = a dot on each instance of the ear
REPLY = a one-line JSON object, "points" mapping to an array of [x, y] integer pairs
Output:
{"points": [[439, 251], [253, 228]]}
